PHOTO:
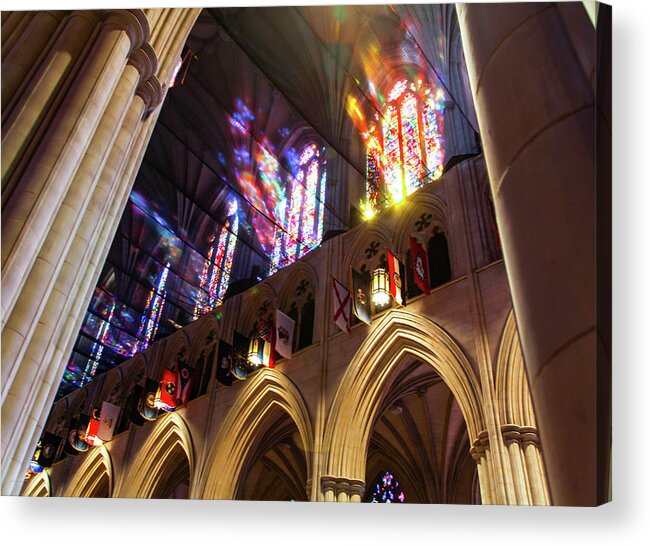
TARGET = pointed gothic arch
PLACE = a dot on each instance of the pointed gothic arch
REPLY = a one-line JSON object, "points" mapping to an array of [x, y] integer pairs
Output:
{"points": [[513, 393], [94, 477], [168, 446], [249, 315], [38, 486], [360, 393], [267, 391]]}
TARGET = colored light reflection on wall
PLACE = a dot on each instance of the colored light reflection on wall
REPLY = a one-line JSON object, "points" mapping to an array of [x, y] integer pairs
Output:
{"points": [[153, 312], [98, 349], [218, 265], [305, 216]]}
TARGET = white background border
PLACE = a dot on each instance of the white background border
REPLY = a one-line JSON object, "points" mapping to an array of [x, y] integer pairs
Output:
{"points": [[626, 520]]}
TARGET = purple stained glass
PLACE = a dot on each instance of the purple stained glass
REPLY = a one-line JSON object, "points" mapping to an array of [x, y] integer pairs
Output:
{"points": [[387, 489]]}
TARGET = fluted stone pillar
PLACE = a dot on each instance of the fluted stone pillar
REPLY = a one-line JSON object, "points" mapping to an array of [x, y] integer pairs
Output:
{"points": [[40, 190], [536, 111], [118, 87], [535, 470], [24, 118], [480, 453], [511, 434], [22, 55], [43, 313]]}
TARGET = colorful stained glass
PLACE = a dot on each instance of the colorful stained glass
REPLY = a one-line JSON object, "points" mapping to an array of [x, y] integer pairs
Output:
{"points": [[393, 164], [397, 90], [153, 312], [98, 349], [411, 155], [433, 137], [319, 231], [307, 154], [218, 265], [373, 177], [293, 221], [308, 237], [300, 217], [412, 140], [387, 489]]}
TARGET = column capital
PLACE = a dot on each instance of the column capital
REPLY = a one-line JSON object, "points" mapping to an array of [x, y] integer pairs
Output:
{"points": [[479, 446], [524, 435], [350, 486], [151, 93], [133, 21], [90, 15], [529, 436], [511, 433], [145, 61]]}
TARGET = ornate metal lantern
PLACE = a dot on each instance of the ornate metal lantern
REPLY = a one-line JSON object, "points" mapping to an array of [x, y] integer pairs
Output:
{"points": [[380, 287]]}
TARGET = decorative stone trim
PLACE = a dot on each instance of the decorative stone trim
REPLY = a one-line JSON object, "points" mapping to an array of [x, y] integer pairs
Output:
{"points": [[151, 93], [92, 16], [350, 486], [523, 435], [133, 21], [529, 435], [145, 61], [479, 446]]}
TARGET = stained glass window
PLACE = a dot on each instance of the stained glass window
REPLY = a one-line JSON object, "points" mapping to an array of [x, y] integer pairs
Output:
{"points": [[387, 489], [216, 273], [374, 189], [407, 151]]}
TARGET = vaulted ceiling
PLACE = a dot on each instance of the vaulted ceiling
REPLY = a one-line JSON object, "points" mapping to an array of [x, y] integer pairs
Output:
{"points": [[254, 80]]}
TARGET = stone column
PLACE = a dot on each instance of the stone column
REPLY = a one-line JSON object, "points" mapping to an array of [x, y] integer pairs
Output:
{"points": [[42, 187], [512, 436], [480, 454], [26, 314], [535, 470], [107, 169], [21, 59], [34, 384], [23, 119], [338, 489], [536, 112]]}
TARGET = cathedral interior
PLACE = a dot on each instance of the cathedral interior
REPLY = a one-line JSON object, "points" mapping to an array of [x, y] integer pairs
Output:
{"points": [[176, 182]]}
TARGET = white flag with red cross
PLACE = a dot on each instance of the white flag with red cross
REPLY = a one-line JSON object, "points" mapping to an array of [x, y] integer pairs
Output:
{"points": [[342, 305]]}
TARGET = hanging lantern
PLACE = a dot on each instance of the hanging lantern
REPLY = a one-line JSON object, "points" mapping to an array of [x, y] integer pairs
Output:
{"points": [[380, 287], [256, 346]]}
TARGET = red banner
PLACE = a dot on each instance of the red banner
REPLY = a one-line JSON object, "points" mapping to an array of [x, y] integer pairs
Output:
{"points": [[419, 265], [166, 399]]}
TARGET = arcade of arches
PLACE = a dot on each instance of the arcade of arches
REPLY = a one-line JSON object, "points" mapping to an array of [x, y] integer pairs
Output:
{"points": [[463, 395]]}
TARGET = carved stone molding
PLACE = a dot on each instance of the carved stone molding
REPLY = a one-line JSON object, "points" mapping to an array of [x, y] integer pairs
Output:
{"points": [[151, 92], [516, 433], [145, 61], [94, 17], [133, 21], [337, 485], [529, 435], [479, 446]]}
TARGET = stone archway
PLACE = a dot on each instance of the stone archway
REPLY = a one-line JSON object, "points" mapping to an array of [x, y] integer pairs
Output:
{"points": [[167, 452], [360, 393], [266, 393], [94, 477], [38, 486]]}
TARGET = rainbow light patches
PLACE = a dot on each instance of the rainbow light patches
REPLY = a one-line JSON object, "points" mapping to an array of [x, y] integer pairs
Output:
{"points": [[411, 162]]}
